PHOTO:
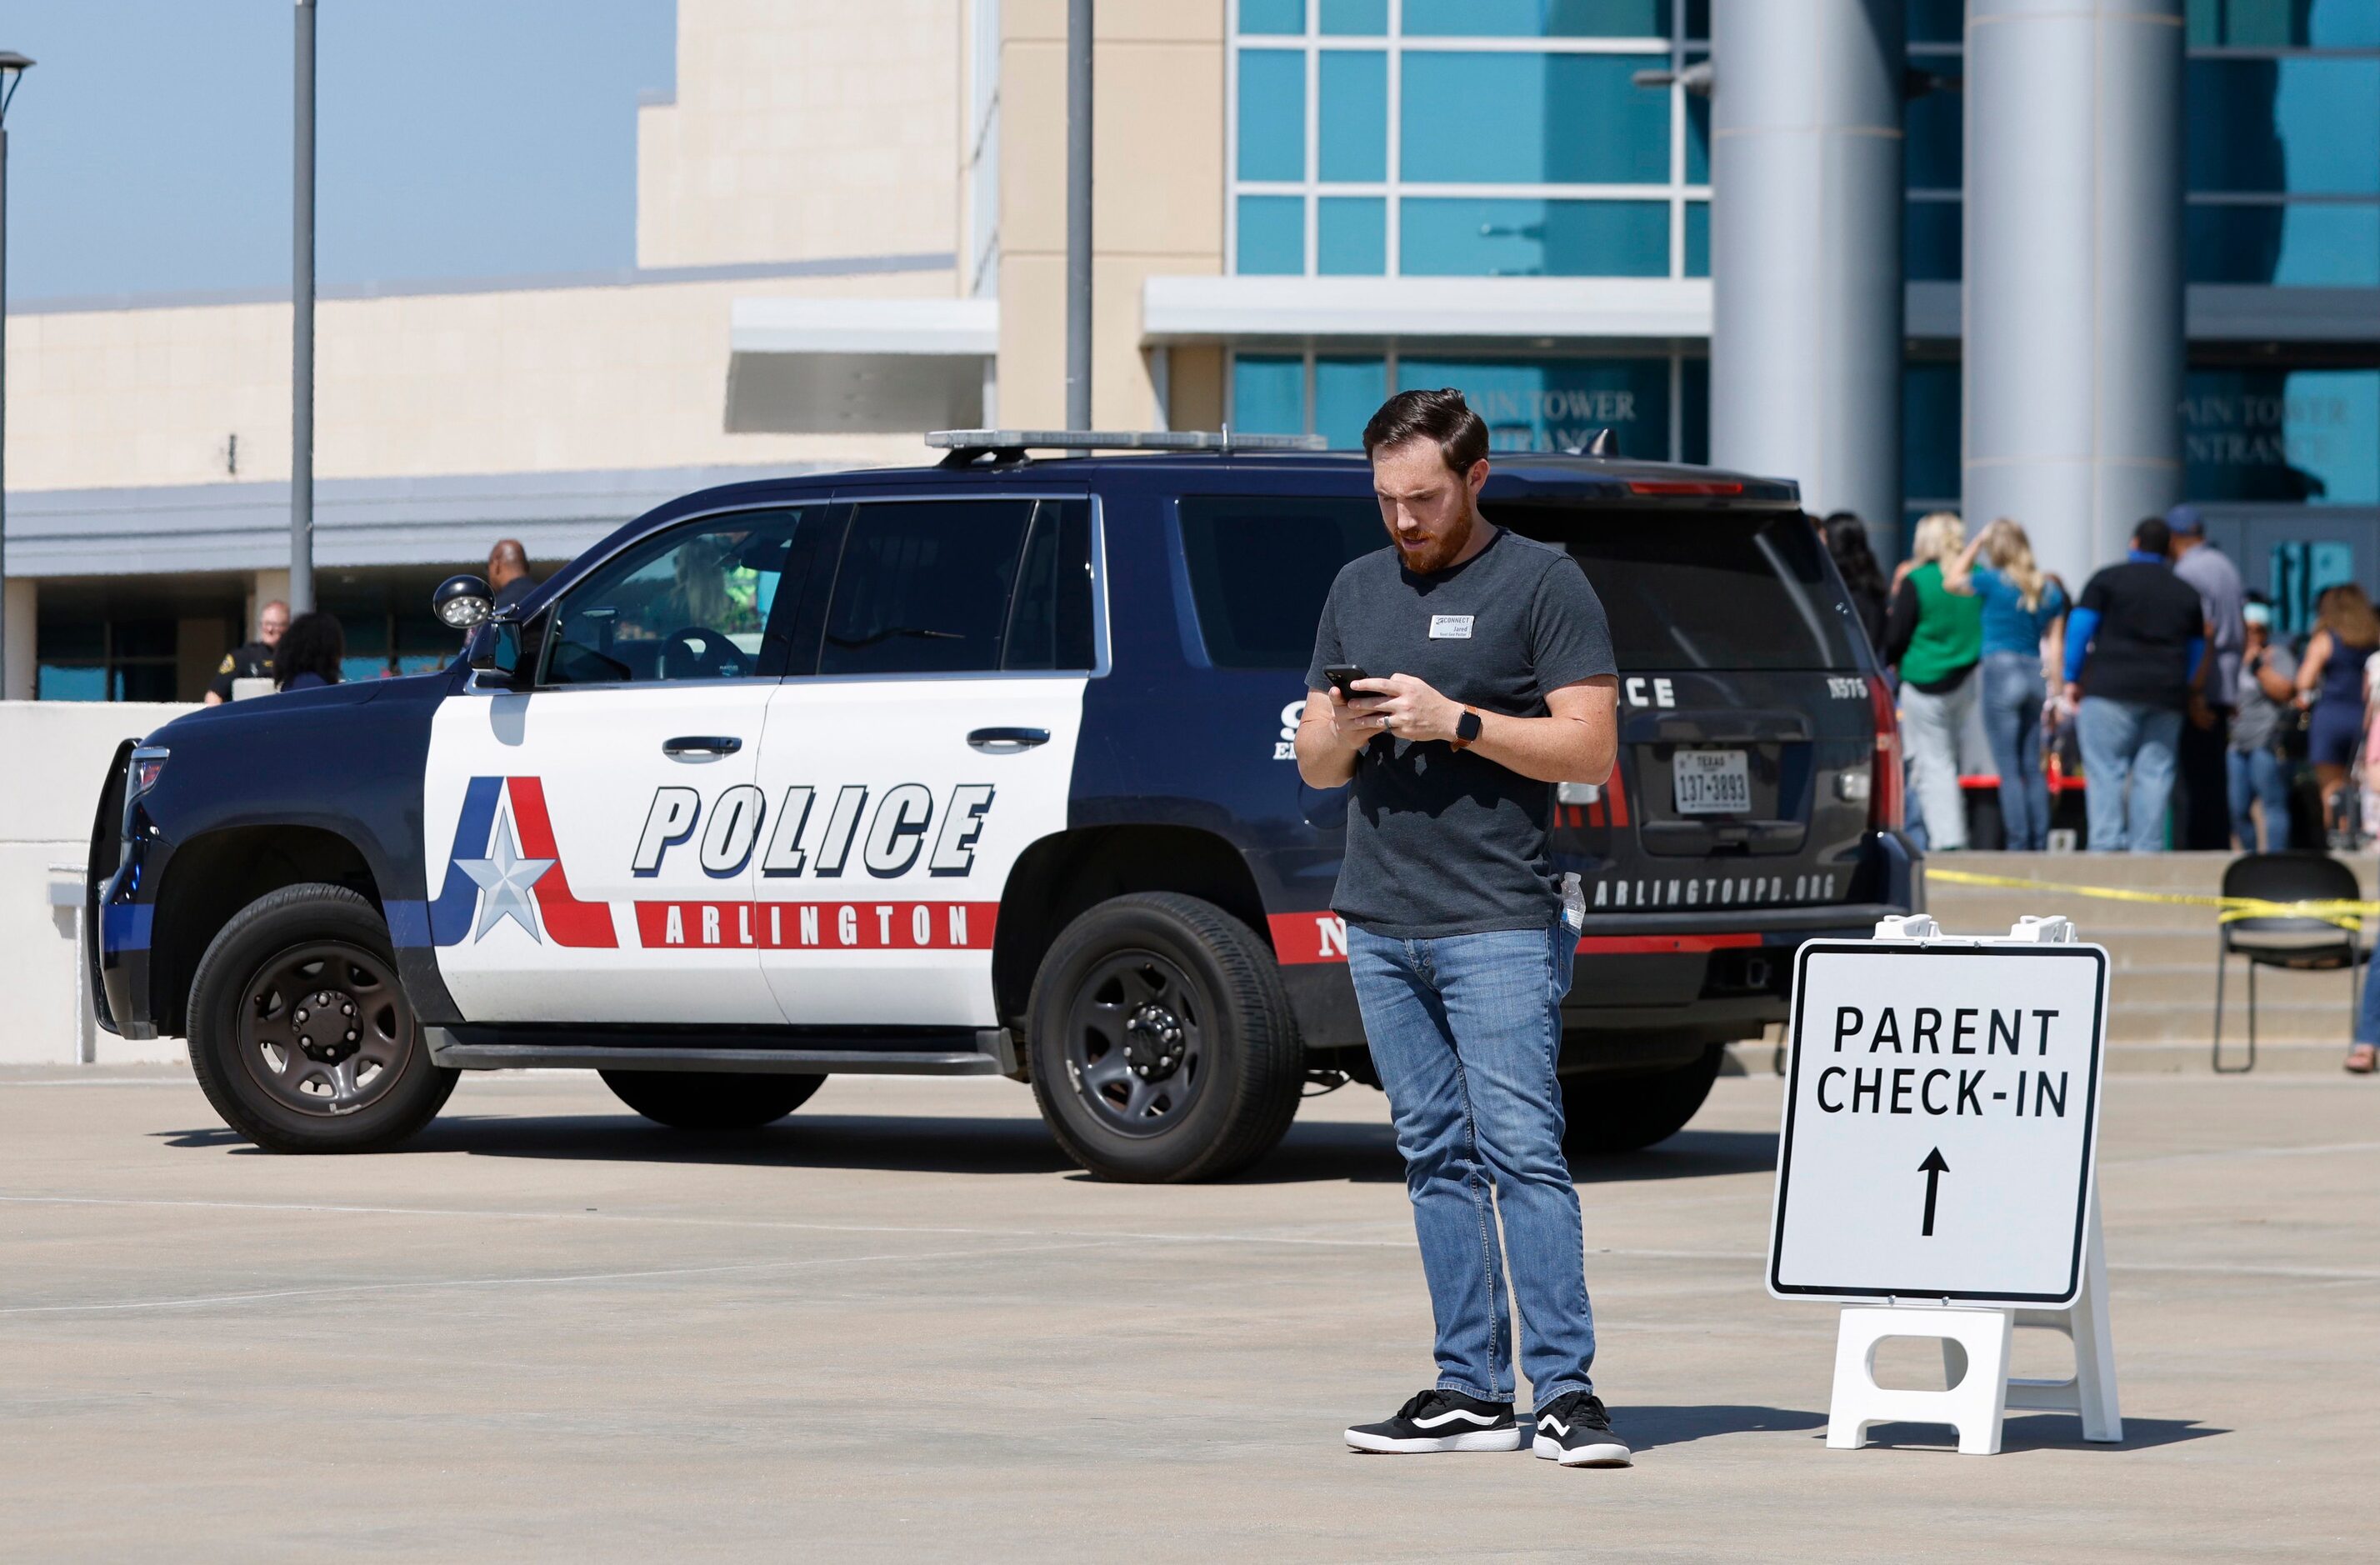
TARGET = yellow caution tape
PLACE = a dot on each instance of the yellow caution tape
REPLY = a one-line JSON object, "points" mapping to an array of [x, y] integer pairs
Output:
{"points": [[2345, 914]]}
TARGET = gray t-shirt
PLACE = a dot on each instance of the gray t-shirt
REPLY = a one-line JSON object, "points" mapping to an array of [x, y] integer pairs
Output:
{"points": [[2221, 594], [2256, 717], [1442, 841]]}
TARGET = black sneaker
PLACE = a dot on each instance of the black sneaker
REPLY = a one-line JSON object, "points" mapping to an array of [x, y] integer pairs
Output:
{"points": [[1441, 1421], [1576, 1432]]}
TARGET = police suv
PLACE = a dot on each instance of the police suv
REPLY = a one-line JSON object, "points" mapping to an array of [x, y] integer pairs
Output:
{"points": [[979, 769]]}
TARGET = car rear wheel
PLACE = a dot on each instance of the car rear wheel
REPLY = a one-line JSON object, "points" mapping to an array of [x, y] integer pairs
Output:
{"points": [[300, 1034], [1163, 1049], [712, 1099], [1627, 1114]]}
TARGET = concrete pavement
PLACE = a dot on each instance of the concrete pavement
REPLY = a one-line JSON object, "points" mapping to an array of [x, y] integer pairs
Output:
{"points": [[898, 1324]]}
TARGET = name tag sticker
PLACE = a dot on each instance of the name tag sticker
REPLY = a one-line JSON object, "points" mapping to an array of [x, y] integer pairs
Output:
{"points": [[1450, 627]]}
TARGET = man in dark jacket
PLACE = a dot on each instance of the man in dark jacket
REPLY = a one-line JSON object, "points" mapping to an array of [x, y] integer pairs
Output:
{"points": [[2135, 654]]}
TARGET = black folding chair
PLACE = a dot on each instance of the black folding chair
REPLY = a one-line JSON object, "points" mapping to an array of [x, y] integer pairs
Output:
{"points": [[2295, 940]]}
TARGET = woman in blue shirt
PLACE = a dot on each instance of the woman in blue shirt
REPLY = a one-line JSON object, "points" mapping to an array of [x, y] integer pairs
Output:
{"points": [[2024, 631], [310, 652]]}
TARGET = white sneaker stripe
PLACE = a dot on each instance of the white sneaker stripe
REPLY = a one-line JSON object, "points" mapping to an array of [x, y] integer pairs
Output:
{"points": [[1449, 1416], [1556, 1424]]}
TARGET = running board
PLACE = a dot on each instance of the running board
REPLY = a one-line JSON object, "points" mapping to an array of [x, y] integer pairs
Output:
{"points": [[994, 1056]]}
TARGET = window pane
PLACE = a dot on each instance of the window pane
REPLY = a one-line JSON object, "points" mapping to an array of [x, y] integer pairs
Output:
{"points": [[924, 588], [1272, 236], [1354, 130], [1698, 238], [1272, 114], [2297, 126], [1473, 237], [2284, 24], [1697, 18], [1269, 395], [2293, 246], [58, 682], [1937, 22], [1556, 405], [1352, 239], [145, 682], [1366, 18], [1929, 241], [1537, 18], [2280, 434], [1532, 120], [1347, 392], [1260, 568], [689, 604], [1050, 625], [1935, 149], [1272, 16], [1693, 414], [1698, 117], [76, 640], [1929, 431]]}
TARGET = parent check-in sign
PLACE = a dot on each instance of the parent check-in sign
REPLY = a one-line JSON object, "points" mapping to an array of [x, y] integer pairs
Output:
{"points": [[1940, 1121]]}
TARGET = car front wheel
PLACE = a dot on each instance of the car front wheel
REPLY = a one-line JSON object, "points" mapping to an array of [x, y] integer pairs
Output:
{"points": [[1163, 1049]]}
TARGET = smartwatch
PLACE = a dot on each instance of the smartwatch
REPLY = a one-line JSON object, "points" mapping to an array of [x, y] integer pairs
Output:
{"points": [[1466, 729]]}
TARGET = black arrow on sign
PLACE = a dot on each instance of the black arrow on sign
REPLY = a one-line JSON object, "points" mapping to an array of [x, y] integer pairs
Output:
{"points": [[1933, 1168]]}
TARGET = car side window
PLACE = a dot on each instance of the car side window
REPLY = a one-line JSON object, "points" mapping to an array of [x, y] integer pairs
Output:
{"points": [[925, 586], [690, 603], [1050, 624]]}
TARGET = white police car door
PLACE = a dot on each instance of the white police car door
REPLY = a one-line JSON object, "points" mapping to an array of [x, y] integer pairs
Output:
{"points": [[591, 842], [932, 745]]}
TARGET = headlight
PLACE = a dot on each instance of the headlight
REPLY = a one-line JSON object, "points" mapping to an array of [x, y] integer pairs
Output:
{"points": [[148, 765]]}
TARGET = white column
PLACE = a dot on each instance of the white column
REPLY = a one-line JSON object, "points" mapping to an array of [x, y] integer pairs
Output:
{"points": [[2074, 264], [1805, 248]]}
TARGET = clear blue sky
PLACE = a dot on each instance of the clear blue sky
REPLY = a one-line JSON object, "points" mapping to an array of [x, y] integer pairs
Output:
{"points": [[150, 146]]}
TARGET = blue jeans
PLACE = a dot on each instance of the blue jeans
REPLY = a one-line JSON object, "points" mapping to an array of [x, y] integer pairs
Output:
{"points": [[1465, 1030], [2013, 694], [2253, 775], [2130, 751]]}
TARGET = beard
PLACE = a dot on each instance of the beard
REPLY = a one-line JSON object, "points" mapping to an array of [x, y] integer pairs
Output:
{"points": [[1440, 552]]}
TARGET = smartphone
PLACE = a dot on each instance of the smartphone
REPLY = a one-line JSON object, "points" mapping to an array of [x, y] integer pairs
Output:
{"points": [[1343, 676]]}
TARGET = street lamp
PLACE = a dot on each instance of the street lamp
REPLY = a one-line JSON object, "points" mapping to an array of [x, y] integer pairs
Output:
{"points": [[12, 66], [301, 290]]}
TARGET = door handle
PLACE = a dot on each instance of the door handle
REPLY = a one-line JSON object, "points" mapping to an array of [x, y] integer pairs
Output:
{"points": [[702, 744], [1007, 741]]}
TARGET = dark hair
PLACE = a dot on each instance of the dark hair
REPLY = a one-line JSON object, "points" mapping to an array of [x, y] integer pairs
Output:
{"points": [[2153, 537], [1847, 541], [1441, 416], [313, 644]]}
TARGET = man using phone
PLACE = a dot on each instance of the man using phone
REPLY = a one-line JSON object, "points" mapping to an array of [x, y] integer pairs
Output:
{"points": [[1479, 674]]}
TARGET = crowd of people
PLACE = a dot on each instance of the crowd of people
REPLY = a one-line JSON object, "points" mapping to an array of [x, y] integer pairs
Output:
{"points": [[2162, 689]]}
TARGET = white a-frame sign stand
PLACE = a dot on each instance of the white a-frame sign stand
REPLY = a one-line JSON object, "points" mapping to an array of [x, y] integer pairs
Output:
{"points": [[1936, 1171]]}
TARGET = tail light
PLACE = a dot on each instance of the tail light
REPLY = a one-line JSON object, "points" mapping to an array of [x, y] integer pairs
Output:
{"points": [[1885, 812]]}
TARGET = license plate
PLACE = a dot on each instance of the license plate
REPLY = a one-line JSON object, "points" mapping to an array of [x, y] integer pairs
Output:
{"points": [[1711, 782]]}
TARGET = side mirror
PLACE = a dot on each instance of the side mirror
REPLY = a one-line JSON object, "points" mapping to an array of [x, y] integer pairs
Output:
{"points": [[462, 602], [496, 650]]}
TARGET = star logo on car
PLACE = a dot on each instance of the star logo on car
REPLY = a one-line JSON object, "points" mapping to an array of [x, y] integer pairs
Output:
{"points": [[505, 879]]}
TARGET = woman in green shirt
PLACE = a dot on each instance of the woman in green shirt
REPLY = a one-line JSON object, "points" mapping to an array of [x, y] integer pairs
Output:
{"points": [[1936, 638]]}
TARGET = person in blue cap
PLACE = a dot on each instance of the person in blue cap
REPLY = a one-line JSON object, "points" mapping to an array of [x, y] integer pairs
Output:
{"points": [[2205, 813]]}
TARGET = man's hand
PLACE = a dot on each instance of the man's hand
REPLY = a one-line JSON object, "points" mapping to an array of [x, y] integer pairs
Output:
{"points": [[2202, 716], [2073, 694], [1406, 708], [1353, 724]]}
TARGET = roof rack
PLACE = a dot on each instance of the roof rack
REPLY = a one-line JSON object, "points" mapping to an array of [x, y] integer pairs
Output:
{"points": [[967, 447]]}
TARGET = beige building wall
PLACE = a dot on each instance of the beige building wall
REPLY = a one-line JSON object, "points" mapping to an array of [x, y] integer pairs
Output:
{"points": [[1157, 202], [517, 381], [804, 129]]}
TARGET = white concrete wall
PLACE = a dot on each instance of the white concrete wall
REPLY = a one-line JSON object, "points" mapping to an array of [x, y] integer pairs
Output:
{"points": [[57, 760]]}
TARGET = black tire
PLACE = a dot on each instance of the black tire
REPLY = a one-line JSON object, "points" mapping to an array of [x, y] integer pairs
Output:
{"points": [[1627, 1114], [1115, 982], [291, 1086], [712, 1099]]}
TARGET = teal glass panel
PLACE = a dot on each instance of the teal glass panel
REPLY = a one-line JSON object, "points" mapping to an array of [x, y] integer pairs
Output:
{"points": [[1269, 395], [1272, 236], [1272, 16], [1930, 236], [1272, 114], [1929, 433], [2284, 24], [1934, 147], [1937, 22], [56, 682], [1533, 404], [2306, 247], [1476, 236], [1347, 392], [1537, 18], [2309, 127], [1697, 238], [1532, 119], [1698, 129], [1697, 18], [1354, 19], [1351, 236], [2282, 434], [1354, 129], [1693, 411]]}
